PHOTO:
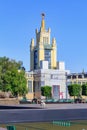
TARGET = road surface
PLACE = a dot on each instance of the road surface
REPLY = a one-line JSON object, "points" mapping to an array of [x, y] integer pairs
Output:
{"points": [[34, 113]]}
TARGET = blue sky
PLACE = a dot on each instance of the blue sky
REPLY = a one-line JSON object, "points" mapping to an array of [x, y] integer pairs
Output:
{"points": [[66, 18]]}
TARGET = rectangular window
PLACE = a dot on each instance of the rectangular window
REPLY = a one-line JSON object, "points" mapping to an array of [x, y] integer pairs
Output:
{"points": [[42, 83], [73, 76], [54, 76], [35, 59], [30, 86], [68, 77], [79, 76], [85, 75], [47, 56], [45, 40], [79, 82]]}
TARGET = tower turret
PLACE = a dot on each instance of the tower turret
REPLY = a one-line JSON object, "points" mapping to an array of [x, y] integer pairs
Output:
{"points": [[32, 42], [43, 50], [43, 22], [54, 42], [32, 54], [53, 53]]}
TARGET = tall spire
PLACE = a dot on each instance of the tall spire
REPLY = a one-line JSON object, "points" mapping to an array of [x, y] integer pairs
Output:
{"points": [[43, 22]]}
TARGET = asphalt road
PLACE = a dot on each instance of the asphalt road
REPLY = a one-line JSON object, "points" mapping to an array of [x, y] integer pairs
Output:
{"points": [[50, 113]]}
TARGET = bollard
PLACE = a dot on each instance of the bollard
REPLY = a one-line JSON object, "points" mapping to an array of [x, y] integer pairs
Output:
{"points": [[62, 123], [11, 128], [69, 124]]}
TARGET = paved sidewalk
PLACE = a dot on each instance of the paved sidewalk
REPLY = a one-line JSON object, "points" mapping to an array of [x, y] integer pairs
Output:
{"points": [[66, 106], [3, 128], [58, 106], [47, 106]]}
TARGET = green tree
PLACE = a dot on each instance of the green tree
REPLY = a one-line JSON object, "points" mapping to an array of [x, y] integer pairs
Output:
{"points": [[75, 90], [84, 89], [46, 91], [12, 76]]}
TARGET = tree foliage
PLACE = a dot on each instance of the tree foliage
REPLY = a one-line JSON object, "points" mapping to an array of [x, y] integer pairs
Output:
{"points": [[84, 89], [75, 90], [46, 91], [12, 76]]}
